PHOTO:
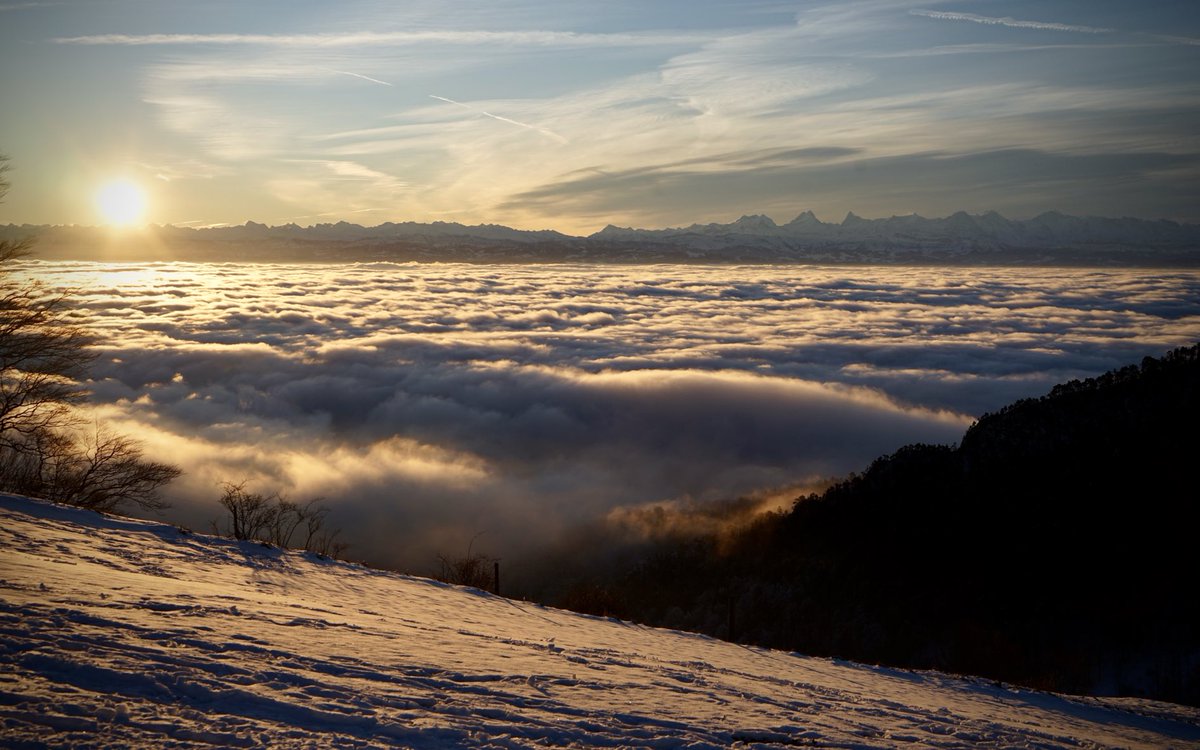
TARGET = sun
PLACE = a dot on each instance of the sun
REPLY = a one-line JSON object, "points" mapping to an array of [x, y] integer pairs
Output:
{"points": [[121, 202]]}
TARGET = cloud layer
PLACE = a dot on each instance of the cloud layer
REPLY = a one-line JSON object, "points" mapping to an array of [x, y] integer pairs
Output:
{"points": [[432, 402]]}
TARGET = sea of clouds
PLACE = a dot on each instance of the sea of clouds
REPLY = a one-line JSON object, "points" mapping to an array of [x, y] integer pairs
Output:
{"points": [[429, 403]]}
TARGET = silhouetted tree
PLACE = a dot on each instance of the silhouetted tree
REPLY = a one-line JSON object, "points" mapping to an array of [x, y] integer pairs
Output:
{"points": [[472, 569], [43, 352], [274, 519], [44, 449], [98, 471], [1052, 546]]}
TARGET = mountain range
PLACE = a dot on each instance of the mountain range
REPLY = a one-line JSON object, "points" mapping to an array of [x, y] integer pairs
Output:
{"points": [[1050, 238]]}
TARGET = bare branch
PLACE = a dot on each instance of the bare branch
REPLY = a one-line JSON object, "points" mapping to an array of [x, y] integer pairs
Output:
{"points": [[44, 359], [274, 519]]}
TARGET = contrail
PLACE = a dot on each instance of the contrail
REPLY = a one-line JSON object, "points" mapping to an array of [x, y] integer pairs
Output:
{"points": [[543, 131], [1010, 22], [360, 75], [1188, 40], [377, 38], [25, 6], [1047, 26]]}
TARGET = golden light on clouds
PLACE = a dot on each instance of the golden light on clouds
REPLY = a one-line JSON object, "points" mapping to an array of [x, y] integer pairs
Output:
{"points": [[431, 402], [121, 202]]}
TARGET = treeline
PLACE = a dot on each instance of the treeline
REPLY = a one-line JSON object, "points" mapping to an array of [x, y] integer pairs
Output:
{"points": [[1054, 547]]}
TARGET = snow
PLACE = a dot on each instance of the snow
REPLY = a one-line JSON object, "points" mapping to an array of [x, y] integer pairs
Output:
{"points": [[120, 632]]}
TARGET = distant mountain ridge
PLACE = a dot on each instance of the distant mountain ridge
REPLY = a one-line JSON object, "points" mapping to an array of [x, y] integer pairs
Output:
{"points": [[988, 230], [961, 238]]}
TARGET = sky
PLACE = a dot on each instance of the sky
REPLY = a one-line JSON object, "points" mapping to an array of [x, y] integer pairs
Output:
{"points": [[572, 115], [546, 405]]}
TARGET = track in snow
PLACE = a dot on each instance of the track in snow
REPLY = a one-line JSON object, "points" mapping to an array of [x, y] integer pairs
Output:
{"points": [[120, 632]]}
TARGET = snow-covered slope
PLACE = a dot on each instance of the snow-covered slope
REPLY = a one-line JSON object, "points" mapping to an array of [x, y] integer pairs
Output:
{"points": [[120, 632]]}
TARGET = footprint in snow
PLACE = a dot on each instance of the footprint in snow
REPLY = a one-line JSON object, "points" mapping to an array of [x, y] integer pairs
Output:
{"points": [[533, 683]]}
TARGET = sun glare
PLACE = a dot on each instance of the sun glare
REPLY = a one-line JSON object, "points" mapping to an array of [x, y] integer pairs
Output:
{"points": [[121, 202]]}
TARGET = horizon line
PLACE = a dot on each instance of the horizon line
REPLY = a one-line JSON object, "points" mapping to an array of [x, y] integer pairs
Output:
{"points": [[850, 215]]}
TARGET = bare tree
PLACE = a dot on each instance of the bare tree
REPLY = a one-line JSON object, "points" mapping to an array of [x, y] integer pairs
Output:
{"points": [[99, 471], [250, 515], [317, 538], [274, 519], [325, 543], [473, 569], [43, 352], [44, 359]]}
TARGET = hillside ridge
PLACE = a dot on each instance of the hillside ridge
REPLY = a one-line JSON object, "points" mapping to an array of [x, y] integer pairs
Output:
{"points": [[1052, 547]]}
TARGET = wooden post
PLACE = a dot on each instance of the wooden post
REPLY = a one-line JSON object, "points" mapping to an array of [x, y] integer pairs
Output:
{"points": [[496, 578], [732, 623]]}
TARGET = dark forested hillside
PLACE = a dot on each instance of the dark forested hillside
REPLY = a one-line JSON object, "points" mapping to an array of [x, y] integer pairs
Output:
{"points": [[1056, 546]]}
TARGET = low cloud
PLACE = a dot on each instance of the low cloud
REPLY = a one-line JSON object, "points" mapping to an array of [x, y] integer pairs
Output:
{"points": [[431, 402]]}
